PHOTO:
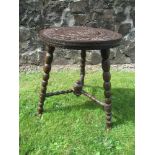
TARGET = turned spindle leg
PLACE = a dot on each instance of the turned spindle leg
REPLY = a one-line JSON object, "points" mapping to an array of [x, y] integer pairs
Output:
{"points": [[107, 85], [82, 66], [46, 69]]}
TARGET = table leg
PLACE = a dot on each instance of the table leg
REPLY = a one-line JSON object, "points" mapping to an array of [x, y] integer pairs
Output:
{"points": [[107, 85], [82, 66], [46, 69]]}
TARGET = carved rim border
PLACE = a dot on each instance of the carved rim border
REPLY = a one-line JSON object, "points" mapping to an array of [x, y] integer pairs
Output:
{"points": [[80, 44]]}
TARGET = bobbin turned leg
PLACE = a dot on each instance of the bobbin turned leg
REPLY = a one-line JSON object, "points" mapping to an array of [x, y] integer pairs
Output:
{"points": [[46, 69], [107, 85], [82, 66]]}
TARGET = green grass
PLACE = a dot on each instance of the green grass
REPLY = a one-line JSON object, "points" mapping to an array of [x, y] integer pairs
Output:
{"points": [[73, 125]]}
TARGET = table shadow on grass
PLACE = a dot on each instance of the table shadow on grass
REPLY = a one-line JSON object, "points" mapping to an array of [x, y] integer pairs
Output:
{"points": [[68, 108], [123, 105]]}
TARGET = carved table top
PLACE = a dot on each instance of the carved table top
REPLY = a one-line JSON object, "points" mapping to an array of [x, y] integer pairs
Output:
{"points": [[80, 37]]}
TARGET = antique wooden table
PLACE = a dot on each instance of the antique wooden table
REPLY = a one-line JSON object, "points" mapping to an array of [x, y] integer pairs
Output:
{"points": [[80, 38]]}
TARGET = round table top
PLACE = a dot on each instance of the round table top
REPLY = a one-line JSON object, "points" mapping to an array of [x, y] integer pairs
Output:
{"points": [[80, 37]]}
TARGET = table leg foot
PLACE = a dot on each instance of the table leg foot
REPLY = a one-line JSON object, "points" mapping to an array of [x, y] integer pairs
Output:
{"points": [[46, 69], [107, 86]]}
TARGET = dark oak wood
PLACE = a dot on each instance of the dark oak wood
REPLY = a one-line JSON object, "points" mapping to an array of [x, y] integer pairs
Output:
{"points": [[46, 69], [92, 98], [80, 37], [59, 92], [107, 85], [82, 66]]}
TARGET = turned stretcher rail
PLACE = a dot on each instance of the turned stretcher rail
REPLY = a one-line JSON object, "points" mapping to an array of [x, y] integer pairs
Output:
{"points": [[71, 91], [92, 98], [59, 92]]}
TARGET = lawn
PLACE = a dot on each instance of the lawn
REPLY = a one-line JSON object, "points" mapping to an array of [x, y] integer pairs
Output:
{"points": [[73, 125]]}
